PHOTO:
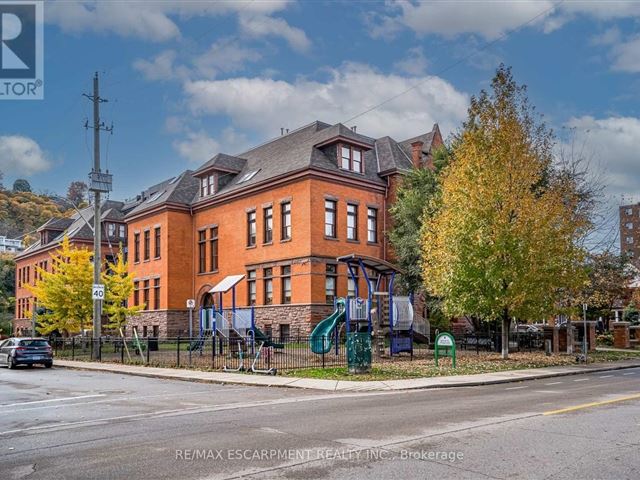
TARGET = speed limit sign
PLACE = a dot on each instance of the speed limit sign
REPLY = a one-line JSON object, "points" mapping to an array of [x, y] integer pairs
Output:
{"points": [[98, 291]]}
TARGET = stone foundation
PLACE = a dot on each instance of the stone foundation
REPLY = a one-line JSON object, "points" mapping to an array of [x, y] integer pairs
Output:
{"points": [[21, 327], [300, 319], [169, 323]]}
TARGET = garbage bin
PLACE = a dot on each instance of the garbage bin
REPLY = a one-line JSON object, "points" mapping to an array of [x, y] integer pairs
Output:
{"points": [[153, 344], [359, 352]]}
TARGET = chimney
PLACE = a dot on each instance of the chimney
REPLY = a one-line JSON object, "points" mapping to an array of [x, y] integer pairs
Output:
{"points": [[416, 154], [281, 131], [353, 129]]}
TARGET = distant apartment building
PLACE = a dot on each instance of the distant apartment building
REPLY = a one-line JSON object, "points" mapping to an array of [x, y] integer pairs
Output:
{"points": [[10, 245], [630, 232]]}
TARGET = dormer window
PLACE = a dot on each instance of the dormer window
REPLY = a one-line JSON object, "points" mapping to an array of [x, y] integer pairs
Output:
{"points": [[350, 158], [208, 185]]}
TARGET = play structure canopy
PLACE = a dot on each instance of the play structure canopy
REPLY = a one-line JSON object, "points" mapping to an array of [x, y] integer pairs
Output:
{"points": [[376, 264], [227, 283]]}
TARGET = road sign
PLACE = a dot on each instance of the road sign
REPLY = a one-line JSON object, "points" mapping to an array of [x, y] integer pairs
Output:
{"points": [[191, 303], [98, 291]]}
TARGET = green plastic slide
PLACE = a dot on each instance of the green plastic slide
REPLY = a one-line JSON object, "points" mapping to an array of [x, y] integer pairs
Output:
{"points": [[261, 337], [322, 337]]}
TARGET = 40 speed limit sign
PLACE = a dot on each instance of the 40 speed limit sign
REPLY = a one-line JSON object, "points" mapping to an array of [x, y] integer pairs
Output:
{"points": [[98, 291]]}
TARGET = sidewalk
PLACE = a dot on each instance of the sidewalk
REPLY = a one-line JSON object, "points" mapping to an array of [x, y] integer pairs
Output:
{"points": [[344, 385]]}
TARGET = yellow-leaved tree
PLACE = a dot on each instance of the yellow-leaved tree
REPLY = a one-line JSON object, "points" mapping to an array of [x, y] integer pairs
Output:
{"points": [[64, 293], [119, 287], [503, 242]]}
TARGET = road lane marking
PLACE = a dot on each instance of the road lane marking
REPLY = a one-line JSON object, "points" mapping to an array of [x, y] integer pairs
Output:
{"points": [[629, 373], [581, 380], [516, 388], [553, 383], [592, 404], [63, 399], [549, 391], [605, 376]]}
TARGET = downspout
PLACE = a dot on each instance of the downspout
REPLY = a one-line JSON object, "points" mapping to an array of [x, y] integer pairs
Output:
{"points": [[384, 221], [193, 254]]}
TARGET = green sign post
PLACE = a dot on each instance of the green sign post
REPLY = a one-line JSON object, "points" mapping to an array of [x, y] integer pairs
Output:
{"points": [[447, 343]]}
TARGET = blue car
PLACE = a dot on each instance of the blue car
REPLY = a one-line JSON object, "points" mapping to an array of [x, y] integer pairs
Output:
{"points": [[26, 351]]}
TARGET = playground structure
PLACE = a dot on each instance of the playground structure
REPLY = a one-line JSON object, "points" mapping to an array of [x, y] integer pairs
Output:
{"points": [[236, 326], [376, 318]]}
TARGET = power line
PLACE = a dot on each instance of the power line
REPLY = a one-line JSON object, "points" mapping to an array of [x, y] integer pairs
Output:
{"points": [[458, 62]]}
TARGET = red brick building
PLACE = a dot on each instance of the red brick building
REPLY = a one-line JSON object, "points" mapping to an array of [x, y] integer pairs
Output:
{"points": [[630, 232], [280, 214], [79, 229]]}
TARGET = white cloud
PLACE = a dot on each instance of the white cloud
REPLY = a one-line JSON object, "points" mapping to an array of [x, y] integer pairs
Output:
{"points": [[198, 146], [157, 20], [226, 56], [264, 105], [626, 55], [262, 26], [491, 19], [414, 63], [611, 36], [161, 67], [21, 155], [614, 142]]}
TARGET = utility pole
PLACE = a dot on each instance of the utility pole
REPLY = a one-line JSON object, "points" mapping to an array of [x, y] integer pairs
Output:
{"points": [[99, 183]]}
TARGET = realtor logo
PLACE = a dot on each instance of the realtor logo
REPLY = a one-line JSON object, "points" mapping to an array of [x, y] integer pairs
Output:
{"points": [[21, 35]]}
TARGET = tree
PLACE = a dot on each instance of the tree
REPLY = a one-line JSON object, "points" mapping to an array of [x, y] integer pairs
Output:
{"points": [[77, 192], [119, 287], [503, 240], [631, 314], [65, 292], [7, 292], [21, 185], [414, 200]]}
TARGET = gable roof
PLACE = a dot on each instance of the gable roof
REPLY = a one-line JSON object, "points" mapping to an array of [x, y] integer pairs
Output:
{"points": [[224, 162], [178, 190]]}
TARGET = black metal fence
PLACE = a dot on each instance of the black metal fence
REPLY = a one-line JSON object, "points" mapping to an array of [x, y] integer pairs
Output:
{"points": [[245, 353]]}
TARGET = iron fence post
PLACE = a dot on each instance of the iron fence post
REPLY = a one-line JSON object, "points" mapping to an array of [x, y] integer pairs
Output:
{"points": [[323, 343], [122, 350], [213, 351], [178, 352], [91, 348], [73, 348], [99, 349], [148, 351]]}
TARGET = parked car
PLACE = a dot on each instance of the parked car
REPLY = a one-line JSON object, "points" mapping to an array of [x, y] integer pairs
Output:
{"points": [[26, 351]]}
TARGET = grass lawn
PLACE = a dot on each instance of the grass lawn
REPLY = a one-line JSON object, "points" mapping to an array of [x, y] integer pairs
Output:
{"points": [[466, 364]]}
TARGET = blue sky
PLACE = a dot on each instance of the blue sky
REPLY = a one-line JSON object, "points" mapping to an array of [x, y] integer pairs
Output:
{"points": [[188, 79]]}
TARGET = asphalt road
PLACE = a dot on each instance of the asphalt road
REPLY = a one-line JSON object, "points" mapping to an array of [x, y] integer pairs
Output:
{"points": [[66, 424]]}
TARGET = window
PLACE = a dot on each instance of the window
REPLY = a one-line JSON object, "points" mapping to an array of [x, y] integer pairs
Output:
{"points": [[351, 158], [352, 222], [330, 282], [248, 176], [156, 294], [629, 225], [136, 293], [144, 330], [372, 225], [629, 240], [111, 229], [202, 251], [267, 214], [157, 242], [330, 218], [136, 247], [208, 185], [352, 287], [285, 332], [629, 211], [213, 249], [145, 295], [286, 284], [156, 330], [121, 231], [147, 245], [251, 287], [251, 228], [285, 217], [268, 286]]}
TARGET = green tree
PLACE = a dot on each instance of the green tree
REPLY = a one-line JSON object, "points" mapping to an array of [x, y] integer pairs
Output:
{"points": [[119, 287], [65, 291], [7, 292], [21, 185], [414, 201], [631, 314], [503, 240], [77, 193]]}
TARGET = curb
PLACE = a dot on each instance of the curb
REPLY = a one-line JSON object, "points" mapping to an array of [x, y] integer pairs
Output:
{"points": [[355, 388]]}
